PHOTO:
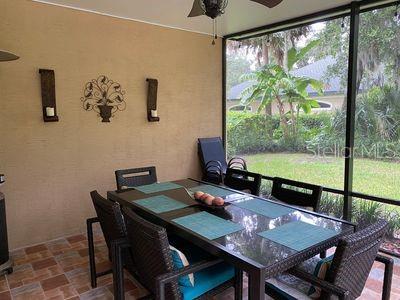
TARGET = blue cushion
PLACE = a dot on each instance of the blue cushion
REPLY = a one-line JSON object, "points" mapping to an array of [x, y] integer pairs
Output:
{"points": [[289, 287], [180, 261], [207, 280]]}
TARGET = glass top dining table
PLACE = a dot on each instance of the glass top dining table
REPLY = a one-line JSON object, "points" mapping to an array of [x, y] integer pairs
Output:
{"points": [[259, 236]]}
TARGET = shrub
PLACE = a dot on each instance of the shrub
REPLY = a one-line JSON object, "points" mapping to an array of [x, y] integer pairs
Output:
{"points": [[253, 133]]}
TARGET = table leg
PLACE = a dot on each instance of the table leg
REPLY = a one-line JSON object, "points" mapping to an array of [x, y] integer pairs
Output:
{"points": [[256, 285]]}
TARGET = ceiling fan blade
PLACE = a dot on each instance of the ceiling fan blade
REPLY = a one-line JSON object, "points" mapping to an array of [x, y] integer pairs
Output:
{"points": [[268, 3], [7, 56], [197, 10]]}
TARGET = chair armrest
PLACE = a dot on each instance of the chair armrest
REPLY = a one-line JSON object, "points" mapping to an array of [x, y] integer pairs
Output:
{"points": [[91, 221], [384, 259], [238, 160], [213, 164], [387, 279], [324, 285], [118, 269], [168, 277]]}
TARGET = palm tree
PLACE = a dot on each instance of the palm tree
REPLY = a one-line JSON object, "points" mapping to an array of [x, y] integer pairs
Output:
{"points": [[270, 48]]}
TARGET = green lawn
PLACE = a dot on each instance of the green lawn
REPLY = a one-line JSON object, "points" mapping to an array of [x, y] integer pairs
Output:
{"points": [[372, 177]]}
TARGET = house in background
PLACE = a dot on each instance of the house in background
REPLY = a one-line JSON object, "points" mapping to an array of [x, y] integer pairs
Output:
{"points": [[333, 97]]}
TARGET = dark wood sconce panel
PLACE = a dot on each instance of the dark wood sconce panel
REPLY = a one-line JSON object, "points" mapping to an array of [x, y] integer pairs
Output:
{"points": [[48, 85], [152, 99]]}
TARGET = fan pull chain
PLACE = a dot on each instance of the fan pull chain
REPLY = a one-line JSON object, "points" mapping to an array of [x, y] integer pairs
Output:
{"points": [[214, 31]]}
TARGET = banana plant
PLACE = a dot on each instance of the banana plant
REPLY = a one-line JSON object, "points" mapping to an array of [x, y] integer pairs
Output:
{"points": [[277, 84]]}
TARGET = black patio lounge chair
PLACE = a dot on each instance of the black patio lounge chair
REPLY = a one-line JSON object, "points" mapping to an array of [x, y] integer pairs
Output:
{"points": [[213, 159], [345, 274]]}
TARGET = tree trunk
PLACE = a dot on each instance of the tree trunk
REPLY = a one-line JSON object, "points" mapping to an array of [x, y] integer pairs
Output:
{"points": [[293, 120], [265, 54], [396, 76], [282, 117], [285, 51]]}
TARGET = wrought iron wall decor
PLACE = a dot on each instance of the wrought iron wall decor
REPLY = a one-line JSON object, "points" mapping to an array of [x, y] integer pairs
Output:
{"points": [[104, 96]]}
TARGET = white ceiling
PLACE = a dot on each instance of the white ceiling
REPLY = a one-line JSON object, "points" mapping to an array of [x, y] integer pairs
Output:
{"points": [[239, 15]]}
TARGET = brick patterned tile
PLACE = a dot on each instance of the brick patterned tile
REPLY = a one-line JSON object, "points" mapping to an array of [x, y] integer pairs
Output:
{"points": [[368, 294], [21, 273], [80, 278], [128, 286], [103, 266], [3, 284], [83, 289], [136, 294], [54, 282], [5, 295], [30, 291], [373, 284], [60, 270], [43, 274], [83, 252], [70, 258], [98, 293], [34, 249], [105, 280], [43, 264], [80, 246], [21, 260], [63, 292], [76, 238], [58, 246]]}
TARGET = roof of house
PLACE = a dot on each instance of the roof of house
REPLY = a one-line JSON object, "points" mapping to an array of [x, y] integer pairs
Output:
{"points": [[316, 70]]}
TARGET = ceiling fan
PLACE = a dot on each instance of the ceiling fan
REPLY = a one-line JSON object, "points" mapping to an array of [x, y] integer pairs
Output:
{"points": [[215, 8]]}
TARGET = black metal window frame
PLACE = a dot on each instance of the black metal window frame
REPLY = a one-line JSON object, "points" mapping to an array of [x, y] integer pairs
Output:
{"points": [[352, 10]]}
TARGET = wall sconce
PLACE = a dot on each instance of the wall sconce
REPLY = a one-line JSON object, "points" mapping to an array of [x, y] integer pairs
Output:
{"points": [[104, 96], [152, 113], [48, 85]]}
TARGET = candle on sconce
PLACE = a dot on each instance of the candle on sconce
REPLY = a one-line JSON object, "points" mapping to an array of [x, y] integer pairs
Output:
{"points": [[154, 113], [50, 111]]}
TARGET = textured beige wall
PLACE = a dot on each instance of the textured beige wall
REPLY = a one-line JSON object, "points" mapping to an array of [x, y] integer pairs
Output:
{"points": [[51, 167]]}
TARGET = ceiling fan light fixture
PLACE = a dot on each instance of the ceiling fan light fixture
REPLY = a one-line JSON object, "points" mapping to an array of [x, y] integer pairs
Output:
{"points": [[214, 8]]}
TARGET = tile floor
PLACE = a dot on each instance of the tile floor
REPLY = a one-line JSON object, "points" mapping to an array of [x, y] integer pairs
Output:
{"points": [[59, 269]]}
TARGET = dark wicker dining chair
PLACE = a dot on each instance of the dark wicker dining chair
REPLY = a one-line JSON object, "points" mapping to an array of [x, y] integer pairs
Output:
{"points": [[113, 227], [348, 270], [243, 181], [300, 194], [152, 256], [135, 177]]}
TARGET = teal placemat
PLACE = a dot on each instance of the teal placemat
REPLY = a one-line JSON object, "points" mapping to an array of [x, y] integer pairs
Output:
{"points": [[212, 190], [265, 208], [208, 225], [160, 204], [298, 235], [157, 187]]}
